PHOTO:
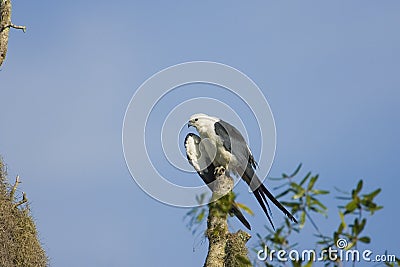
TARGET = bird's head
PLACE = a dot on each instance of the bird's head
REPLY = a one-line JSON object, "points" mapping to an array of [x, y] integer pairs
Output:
{"points": [[201, 120]]}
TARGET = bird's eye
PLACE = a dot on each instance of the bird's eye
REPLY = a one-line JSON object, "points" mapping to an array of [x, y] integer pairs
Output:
{"points": [[196, 119]]}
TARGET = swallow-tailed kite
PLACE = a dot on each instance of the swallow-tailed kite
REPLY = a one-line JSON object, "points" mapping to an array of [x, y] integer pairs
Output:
{"points": [[229, 152]]}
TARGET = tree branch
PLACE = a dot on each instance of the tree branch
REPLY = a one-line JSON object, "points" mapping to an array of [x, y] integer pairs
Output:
{"points": [[14, 188], [12, 193], [24, 200], [225, 249], [18, 27]]}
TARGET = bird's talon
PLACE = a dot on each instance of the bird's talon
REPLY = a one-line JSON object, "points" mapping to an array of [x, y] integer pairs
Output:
{"points": [[219, 171]]}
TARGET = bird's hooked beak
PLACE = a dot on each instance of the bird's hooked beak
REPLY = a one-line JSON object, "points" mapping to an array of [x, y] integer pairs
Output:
{"points": [[190, 124]]}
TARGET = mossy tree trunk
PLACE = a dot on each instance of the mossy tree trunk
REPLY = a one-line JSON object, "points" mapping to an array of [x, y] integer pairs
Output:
{"points": [[225, 249]]}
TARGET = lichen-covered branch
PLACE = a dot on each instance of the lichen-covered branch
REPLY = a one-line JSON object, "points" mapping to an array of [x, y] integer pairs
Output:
{"points": [[19, 243], [12, 193], [225, 249], [5, 25], [14, 188]]}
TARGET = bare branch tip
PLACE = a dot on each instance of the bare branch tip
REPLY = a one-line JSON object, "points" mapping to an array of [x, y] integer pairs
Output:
{"points": [[18, 27]]}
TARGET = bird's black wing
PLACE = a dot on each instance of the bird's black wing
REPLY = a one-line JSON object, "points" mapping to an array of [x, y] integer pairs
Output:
{"points": [[234, 142], [220, 128]]}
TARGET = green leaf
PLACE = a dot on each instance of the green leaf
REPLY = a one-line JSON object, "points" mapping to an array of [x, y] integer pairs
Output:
{"points": [[245, 208], [320, 192], [297, 170], [305, 178], [373, 194], [296, 186], [368, 203], [300, 191], [302, 219], [365, 239], [341, 191], [317, 202], [200, 198], [362, 225], [340, 228], [275, 178], [350, 207], [375, 209], [343, 198], [341, 215], [356, 227], [283, 193], [299, 195], [323, 212], [312, 182], [200, 217], [309, 264], [308, 200], [350, 245], [359, 186], [290, 204], [335, 237]]}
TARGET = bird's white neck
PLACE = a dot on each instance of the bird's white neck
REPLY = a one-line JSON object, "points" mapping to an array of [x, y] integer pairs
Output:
{"points": [[206, 130]]}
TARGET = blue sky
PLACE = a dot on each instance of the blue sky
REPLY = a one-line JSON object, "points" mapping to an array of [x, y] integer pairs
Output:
{"points": [[328, 70]]}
